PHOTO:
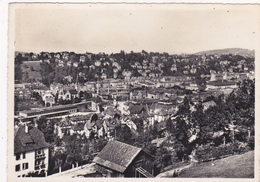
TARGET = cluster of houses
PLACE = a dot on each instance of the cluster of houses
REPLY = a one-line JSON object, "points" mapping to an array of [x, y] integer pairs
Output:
{"points": [[102, 124], [133, 102], [132, 88]]}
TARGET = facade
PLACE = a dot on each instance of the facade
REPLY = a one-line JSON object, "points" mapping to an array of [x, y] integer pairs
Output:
{"points": [[48, 99], [31, 152]]}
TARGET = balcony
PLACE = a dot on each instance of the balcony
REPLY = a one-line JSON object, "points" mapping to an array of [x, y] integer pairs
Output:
{"points": [[40, 166], [40, 156]]}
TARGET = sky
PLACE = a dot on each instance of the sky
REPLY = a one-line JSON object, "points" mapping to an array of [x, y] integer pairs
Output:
{"points": [[110, 28]]}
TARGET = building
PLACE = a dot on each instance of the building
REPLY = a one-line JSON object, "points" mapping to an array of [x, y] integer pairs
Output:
{"points": [[49, 111], [31, 151], [48, 99], [119, 159]]}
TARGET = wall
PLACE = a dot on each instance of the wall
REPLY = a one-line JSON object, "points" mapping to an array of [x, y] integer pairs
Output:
{"points": [[29, 158]]}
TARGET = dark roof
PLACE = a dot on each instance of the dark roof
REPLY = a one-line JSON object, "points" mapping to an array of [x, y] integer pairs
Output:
{"points": [[48, 109], [220, 83], [32, 140], [73, 91], [136, 109], [117, 155]]}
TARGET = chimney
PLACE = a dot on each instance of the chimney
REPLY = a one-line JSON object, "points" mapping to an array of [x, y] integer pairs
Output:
{"points": [[26, 128]]}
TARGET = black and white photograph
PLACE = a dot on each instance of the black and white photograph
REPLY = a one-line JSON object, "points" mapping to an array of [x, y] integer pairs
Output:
{"points": [[132, 91]]}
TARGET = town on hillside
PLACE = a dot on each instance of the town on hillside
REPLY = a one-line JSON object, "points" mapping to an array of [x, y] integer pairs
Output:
{"points": [[137, 114]]}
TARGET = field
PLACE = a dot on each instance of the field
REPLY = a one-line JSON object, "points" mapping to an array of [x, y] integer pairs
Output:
{"points": [[237, 166], [32, 68]]}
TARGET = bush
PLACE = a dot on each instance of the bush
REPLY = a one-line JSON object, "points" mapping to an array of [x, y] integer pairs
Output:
{"points": [[210, 152]]}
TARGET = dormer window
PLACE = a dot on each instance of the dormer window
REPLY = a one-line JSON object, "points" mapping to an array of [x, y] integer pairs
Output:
{"points": [[18, 156], [24, 155]]}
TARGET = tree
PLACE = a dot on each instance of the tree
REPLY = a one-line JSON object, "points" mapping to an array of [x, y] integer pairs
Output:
{"points": [[123, 134], [18, 74], [47, 128]]}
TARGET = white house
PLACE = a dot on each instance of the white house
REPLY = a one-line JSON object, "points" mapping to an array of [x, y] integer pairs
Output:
{"points": [[48, 98], [31, 151]]}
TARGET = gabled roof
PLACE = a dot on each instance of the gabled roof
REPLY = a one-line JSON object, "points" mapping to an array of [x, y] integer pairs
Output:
{"points": [[32, 140], [117, 155], [136, 109], [73, 91]]}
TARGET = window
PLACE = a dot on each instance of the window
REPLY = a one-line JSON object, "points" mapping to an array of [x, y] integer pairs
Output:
{"points": [[25, 166], [40, 151], [24, 155], [17, 167], [18, 156]]}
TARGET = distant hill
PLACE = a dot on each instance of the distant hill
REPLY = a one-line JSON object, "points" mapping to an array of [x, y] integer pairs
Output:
{"points": [[233, 51]]}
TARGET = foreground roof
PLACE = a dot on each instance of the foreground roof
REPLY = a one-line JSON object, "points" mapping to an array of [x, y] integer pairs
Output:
{"points": [[117, 155]]}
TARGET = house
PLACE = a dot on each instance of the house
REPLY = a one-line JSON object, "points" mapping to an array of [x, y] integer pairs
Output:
{"points": [[96, 104], [120, 93], [137, 110], [63, 127], [48, 99], [23, 94], [71, 94], [161, 111], [31, 151], [119, 159], [207, 105], [137, 93], [78, 128], [61, 94], [161, 128]]}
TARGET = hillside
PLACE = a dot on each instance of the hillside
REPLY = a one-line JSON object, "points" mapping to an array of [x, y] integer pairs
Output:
{"points": [[237, 166], [32, 68], [234, 51]]}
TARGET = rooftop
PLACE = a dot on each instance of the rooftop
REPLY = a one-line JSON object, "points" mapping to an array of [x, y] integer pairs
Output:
{"points": [[117, 155], [32, 140]]}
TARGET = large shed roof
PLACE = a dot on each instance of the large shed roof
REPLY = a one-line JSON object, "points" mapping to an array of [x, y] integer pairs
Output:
{"points": [[117, 155]]}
